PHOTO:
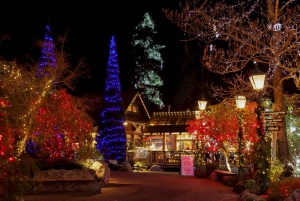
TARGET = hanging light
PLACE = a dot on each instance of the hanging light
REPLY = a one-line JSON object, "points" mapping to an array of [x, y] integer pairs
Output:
{"points": [[240, 101], [202, 103], [257, 78]]}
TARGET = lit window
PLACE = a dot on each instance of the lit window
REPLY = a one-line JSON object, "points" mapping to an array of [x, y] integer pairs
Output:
{"points": [[133, 108]]}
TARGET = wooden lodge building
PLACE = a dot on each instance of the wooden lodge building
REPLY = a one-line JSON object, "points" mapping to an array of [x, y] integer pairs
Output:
{"points": [[163, 133]]}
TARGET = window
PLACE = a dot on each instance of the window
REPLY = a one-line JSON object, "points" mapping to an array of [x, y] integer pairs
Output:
{"points": [[133, 108]]}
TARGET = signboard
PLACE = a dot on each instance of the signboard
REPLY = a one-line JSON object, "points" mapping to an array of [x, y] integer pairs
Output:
{"points": [[187, 165], [273, 113], [272, 128], [273, 120]]}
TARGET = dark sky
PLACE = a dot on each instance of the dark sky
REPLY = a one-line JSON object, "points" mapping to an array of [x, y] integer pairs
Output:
{"points": [[90, 27]]}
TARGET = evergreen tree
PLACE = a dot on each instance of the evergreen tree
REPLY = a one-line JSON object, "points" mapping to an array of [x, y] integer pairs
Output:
{"points": [[149, 62], [47, 61], [111, 138], [48, 58]]}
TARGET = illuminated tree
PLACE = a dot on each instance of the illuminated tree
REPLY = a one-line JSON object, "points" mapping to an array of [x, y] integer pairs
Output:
{"points": [[111, 139], [237, 34], [218, 128], [149, 62], [22, 94], [62, 127], [26, 91], [48, 58], [12, 169]]}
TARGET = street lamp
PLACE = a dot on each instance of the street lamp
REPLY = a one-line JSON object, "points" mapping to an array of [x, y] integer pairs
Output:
{"points": [[202, 103], [240, 103], [257, 80]]}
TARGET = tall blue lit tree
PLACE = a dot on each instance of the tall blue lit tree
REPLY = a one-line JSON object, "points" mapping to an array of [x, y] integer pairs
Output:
{"points": [[48, 59], [149, 62], [111, 138]]}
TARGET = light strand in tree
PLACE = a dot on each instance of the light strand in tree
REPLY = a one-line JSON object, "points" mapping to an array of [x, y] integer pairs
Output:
{"points": [[149, 62], [111, 138], [48, 58]]}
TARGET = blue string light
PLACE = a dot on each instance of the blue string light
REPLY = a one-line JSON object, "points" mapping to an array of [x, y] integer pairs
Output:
{"points": [[111, 138], [48, 58]]}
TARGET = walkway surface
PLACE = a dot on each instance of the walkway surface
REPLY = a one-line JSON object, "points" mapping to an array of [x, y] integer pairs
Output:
{"points": [[148, 186]]}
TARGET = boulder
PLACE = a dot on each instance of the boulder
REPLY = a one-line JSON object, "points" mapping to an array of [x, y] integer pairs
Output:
{"points": [[155, 168], [229, 180], [102, 172], [243, 185], [126, 166], [255, 191], [295, 196], [251, 197]]}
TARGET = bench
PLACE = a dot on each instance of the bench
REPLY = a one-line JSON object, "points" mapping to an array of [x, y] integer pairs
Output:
{"points": [[221, 173]]}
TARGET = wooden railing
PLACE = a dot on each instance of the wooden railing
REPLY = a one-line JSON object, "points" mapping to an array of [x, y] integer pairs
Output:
{"points": [[163, 157]]}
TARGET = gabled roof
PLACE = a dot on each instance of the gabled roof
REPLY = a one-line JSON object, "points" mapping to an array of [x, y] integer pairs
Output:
{"points": [[128, 97], [135, 98], [169, 122]]}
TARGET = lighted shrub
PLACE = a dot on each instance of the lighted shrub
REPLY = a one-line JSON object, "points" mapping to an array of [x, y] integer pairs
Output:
{"points": [[281, 189]]}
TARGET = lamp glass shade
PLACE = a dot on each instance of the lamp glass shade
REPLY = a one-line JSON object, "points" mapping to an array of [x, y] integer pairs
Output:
{"points": [[257, 80], [240, 101], [202, 104]]}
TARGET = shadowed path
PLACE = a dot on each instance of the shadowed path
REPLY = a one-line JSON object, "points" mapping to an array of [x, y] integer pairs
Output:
{"points": [[148, 186]]}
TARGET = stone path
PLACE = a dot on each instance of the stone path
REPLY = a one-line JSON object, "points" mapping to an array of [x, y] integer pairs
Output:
{"points": [[148, 186]]}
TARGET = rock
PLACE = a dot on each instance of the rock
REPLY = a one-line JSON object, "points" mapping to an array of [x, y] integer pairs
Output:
{"points": [[243, 185], [213, 176], [254, 190], [66, 180], [102, 172], [229, 180], [295, 196], [155, 168], [251, 197], [126, 166]]}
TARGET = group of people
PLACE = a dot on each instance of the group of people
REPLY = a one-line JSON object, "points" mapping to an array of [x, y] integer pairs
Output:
{"points": [[212, 157]]}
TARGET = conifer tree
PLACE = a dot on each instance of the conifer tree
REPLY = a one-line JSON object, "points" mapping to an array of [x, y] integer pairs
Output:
{"points": [[149, 62], [48, 58], [111, 138]]}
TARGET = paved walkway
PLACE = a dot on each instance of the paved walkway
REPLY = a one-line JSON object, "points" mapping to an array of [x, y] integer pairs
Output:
{"points": [[148, 186]]}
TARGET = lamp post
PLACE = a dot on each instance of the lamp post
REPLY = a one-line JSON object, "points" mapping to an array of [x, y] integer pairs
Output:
{"points": [[202, 103], [240, 103], [257, 80], [199, 155]]}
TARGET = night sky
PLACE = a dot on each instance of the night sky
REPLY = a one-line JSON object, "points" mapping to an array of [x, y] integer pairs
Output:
{"points": [[90, 27]]}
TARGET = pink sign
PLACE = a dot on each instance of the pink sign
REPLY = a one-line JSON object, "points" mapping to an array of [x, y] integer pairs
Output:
{"points": [[187, 165]]}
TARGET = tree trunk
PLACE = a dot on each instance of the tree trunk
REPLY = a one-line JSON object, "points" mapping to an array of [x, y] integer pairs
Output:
{"points": [[226, 160], [282, 140]]}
